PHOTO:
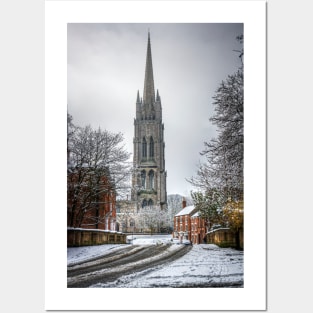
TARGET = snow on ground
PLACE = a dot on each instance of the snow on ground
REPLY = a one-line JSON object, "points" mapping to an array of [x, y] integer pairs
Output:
{"points": [[148, 240], [205, 265], [78, 254], [172, 249]]}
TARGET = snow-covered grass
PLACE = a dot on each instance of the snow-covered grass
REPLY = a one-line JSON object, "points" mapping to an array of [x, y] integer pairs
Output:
{"points": [[205, 265]]}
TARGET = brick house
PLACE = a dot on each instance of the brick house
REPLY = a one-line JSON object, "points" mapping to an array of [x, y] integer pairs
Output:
{"points": [[188, 225], [198, 229], [182, 223], [87, 209]]}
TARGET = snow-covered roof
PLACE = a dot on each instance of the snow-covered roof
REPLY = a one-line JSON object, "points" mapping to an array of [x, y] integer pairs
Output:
{"points": [[196, 214], [186, 210]]}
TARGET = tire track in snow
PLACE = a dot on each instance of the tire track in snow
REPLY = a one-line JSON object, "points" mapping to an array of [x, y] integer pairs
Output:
{"points": [[143, 258]]}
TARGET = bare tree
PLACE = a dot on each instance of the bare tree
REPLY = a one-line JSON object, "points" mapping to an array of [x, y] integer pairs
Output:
{"points": [[97, 165]]}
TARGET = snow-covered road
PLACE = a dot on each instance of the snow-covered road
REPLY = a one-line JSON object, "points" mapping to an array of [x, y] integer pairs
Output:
{"points": [[204, 265]]}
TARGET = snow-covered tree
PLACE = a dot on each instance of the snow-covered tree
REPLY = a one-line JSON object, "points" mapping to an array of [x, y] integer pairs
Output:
{"points": [[223, 168], [219, 178], [148, 218], [225, 153], [220, 211], [97, 165], [210, 205]]}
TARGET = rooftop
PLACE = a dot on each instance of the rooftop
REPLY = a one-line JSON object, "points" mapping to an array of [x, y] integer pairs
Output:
{"points": [[186, 210]]}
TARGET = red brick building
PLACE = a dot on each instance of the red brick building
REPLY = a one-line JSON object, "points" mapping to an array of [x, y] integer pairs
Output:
{"points": [[188, 225], [198, 229], [91, 201], [182, 222]]}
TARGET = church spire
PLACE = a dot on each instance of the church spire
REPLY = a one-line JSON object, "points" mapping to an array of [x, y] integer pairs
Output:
{"points": [[148, 92]]}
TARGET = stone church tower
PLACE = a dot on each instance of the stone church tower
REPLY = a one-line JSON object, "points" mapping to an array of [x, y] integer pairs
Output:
{"points": [[149, 179]]}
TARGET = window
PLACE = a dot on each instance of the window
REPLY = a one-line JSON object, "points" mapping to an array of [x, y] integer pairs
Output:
{"points": [[144, 203], [151, 148], [150, 202], [143, 179], [151, 179], [144, 148]]}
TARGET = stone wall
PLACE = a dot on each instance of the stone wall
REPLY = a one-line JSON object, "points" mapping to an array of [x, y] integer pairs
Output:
{"points": [[77, 237], [224, 237]]}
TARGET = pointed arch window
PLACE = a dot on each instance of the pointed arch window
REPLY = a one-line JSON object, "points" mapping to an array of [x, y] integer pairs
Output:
{"points": [[132, 222], [144, 203], [143, 179], [144, 147], [151, 148], [151, 179], [150, 202]]}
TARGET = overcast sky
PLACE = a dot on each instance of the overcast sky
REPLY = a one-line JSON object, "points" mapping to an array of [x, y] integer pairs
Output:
{"points": [[106, 66]]}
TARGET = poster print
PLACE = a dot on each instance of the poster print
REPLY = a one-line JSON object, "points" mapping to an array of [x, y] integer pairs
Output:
{"points": [[157, 63]]}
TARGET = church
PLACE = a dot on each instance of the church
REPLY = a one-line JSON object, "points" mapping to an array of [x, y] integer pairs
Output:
{"points": [[148, 185], [149, 179]]}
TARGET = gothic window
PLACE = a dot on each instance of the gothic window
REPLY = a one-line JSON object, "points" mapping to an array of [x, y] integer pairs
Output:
{"points": [[150, 202], [144, 203], [143, 179], [151, 179], [144, 148], [151, 148]]}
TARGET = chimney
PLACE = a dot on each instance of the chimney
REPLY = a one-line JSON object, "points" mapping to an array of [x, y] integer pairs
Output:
{"points": [[184, 202]]}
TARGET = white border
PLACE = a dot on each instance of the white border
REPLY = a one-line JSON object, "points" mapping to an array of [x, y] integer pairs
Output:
{"points": [[253, 15]]}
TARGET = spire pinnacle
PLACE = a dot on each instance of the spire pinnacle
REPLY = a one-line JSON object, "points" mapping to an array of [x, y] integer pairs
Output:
{"points": [[157, 96], [138, 98], [148, 92]]}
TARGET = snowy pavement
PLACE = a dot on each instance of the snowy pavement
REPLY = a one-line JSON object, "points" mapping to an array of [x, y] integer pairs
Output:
{"points": [[205, 265]]}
